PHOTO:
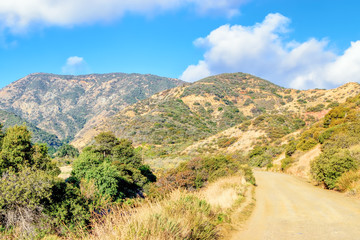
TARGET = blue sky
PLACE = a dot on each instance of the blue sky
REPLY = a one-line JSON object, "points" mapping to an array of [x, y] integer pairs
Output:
{"points": [[301, 44]]}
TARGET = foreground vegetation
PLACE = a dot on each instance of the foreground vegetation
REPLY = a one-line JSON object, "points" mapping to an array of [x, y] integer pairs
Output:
{"points": [[109, 182]]}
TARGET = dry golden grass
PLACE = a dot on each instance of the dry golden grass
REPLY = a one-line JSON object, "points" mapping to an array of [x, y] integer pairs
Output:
{"points": [[349, 182], [182, 216], [65, 172], [224, 192], [205, 214], [301, 166]]}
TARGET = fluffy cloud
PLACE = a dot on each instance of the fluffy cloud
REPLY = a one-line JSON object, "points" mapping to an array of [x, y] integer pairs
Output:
{"points": [[18, 15], [263, 50], [75, 65]]}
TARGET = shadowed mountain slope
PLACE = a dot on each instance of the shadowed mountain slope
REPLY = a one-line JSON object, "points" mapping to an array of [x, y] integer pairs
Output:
{"points": [[8, 119]]}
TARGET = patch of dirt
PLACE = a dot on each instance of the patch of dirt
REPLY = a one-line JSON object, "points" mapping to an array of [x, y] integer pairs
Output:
{"points": [[301, 167], [65, 172]]}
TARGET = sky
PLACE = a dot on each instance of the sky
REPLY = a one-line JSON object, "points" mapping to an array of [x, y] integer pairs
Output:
{"points": [[299, 43]]}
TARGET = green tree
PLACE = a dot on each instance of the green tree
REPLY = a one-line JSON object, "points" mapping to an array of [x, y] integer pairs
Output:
{"points": [[16, 149], [67, 151], [68, 208], [42, 161], [105, 142], [22, 196], [114, 166], [1, 135]]}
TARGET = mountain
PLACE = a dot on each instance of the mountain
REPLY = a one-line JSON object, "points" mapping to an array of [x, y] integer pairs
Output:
{"points": [[290, 119], [190, 113], [8, 119], [64, 104]]}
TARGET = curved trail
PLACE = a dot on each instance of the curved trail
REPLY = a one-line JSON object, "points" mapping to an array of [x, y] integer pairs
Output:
{"points": [[289, 208]]}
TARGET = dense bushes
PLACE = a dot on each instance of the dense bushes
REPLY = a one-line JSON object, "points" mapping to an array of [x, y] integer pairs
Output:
{"points": [[35, 202], [195, 173], [27, 179], [114, 167], [67, 151], [278, 125], [317, 108], [330, 165], [286, 162], [262, 156]]}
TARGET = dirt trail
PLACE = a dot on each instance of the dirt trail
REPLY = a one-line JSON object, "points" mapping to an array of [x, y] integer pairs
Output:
{"points": [[289, 208]]}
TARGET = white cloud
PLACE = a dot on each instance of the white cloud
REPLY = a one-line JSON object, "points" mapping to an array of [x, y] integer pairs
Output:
{"points": [[18, 15], [75, 65], [265, 51]]}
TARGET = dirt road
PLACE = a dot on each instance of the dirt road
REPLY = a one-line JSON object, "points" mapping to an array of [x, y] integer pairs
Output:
{"points": [[289, 208]]}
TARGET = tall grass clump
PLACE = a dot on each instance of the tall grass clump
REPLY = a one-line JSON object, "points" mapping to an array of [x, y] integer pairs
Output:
{"points": [[182, 216], [349, 181]]}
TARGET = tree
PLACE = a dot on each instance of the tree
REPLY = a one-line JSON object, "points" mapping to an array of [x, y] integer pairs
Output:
{"points": [[113, 165], [105, 142], [1, 135], [21, 198], [67, 151], [42, 161], [16, 149]]}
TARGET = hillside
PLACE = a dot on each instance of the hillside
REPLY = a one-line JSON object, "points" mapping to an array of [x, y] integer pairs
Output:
{"points": [[277, 125], [64, 104], [8, 119], [184, 115], [191, 112], [332, 140]]}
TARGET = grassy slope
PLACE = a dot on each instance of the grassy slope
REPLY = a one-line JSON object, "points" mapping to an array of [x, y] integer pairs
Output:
{"points": [[176, 118], [337, 131], [192, 112]]}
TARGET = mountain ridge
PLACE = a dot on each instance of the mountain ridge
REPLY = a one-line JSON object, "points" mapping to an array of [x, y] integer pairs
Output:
{"points": [[63, 104], [212, 105]]}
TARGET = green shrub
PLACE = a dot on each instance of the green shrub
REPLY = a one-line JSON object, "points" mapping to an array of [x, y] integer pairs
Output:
{"points": [[22, 197], [114, 166], [330, 165], [249, 174], [69, 210], [286, 162], [326, 134], [67, 151], [306, 144], [332, 105], [262, 156], [290, 148], [317, 108], [226, 142], [335, 114], [195, 173]]}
